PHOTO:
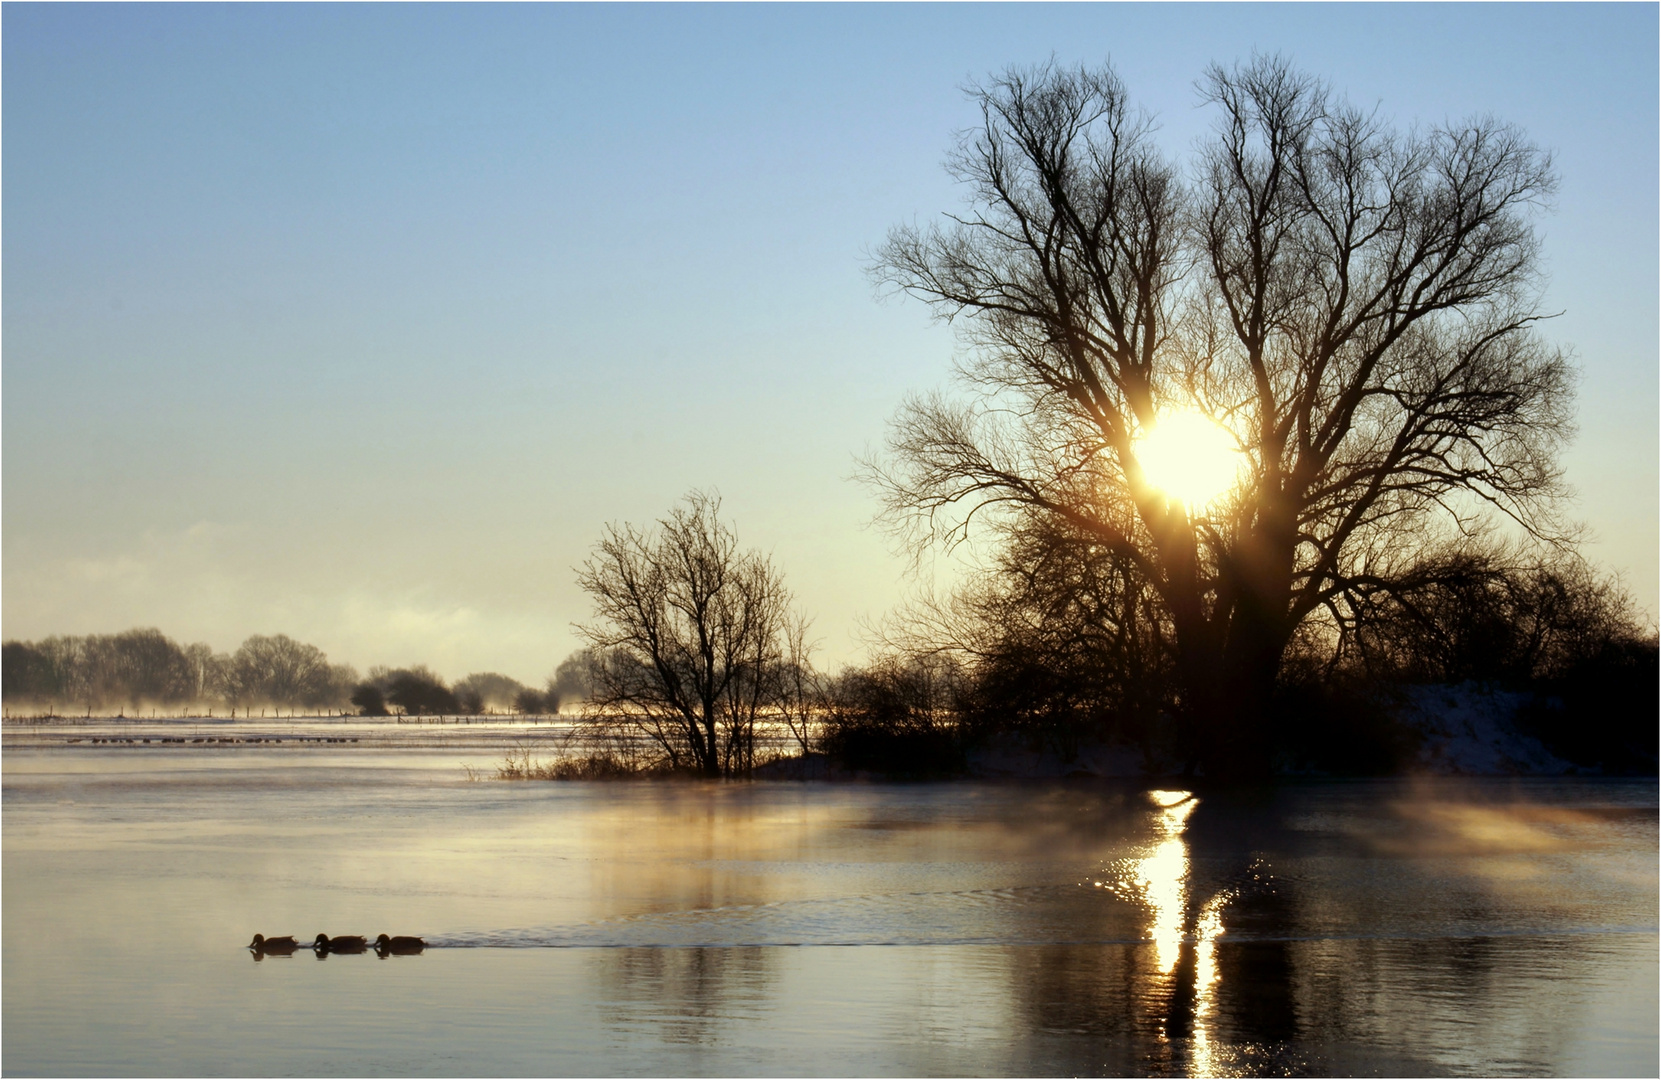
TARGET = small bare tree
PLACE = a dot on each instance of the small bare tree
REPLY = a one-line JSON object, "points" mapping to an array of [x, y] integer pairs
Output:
{"points": [[686, 629], [798, 688]]}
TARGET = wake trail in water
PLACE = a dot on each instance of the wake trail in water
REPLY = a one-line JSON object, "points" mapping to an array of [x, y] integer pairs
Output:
{"points": [[558, 940], [1037, 915]]}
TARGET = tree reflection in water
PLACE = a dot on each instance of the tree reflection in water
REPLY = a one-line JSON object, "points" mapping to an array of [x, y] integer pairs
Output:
{"points": [[683, 995], [1189, 1000]]}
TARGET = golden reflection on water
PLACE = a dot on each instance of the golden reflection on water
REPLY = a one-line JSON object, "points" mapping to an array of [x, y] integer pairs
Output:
{"points": [[1186, 992], [1208, 927], [1162, 876]]}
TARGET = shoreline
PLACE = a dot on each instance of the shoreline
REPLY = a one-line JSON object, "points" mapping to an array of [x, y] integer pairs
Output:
{"points": [[1465, 729]]}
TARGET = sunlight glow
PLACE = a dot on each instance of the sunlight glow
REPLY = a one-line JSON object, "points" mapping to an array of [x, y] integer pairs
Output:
{"points": [[1189, 457]]}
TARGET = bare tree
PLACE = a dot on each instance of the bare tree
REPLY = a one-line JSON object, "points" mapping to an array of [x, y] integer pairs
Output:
{"points": [[29, 676], [149, 667], [130, 669], [1354, 305], [569, 684], [686, 627], [205, 672], [1058, 638], [798, 689], [278, 670], [145, 667], [50, 671]]}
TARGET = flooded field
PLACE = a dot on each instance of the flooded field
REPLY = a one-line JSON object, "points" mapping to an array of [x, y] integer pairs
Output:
{"points": [[1490, 928]]}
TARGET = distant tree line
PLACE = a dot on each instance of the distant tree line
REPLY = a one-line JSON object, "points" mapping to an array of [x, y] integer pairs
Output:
{"points": [[145, 668], [416, 691]]}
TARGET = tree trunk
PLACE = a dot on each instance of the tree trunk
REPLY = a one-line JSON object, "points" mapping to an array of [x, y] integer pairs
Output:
{"points": [[1229, 694]]}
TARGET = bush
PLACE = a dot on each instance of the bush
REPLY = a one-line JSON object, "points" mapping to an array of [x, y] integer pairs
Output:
{"points": [[1601, 710], [897, 717], [908, 754], [369, 700], [1493, 615], [530, 702], [1341, 727], [486, 690], [602, 765], [418, 692]]}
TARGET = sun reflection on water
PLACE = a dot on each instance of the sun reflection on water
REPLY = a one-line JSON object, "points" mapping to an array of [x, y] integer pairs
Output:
{"points": [[1208, 927], [1182, 931], [1162, 876]]}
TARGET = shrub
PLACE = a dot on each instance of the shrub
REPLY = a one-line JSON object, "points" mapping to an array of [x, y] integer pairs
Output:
{"points": [[369, 700], [897, 717]]}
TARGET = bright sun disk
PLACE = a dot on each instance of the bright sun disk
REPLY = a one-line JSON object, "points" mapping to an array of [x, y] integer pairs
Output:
{"points": [[1189, 457]]}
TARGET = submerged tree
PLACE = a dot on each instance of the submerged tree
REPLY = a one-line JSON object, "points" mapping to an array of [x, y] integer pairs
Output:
{"points": [[1347, 309], [687, 627]]}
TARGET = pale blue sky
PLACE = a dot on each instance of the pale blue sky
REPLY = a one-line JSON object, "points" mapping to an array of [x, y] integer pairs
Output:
{"points": [[357, 322]]}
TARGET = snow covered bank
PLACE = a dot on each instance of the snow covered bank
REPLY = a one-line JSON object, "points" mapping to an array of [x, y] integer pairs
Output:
{"points": [[1470, 729], [1463, 729]]}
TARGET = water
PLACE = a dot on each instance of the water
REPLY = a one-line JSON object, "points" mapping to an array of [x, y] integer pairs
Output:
{"points": [[1431, 928]]}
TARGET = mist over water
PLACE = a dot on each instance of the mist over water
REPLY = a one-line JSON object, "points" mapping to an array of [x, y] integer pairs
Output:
{"points": [[1418, 928]]}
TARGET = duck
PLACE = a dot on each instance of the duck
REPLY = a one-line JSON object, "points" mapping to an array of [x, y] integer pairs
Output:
{"points": [[349, 943], [261, 943], [384, 944]]}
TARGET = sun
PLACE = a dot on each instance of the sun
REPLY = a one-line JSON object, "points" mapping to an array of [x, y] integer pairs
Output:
{"points": [[1189, 457]]}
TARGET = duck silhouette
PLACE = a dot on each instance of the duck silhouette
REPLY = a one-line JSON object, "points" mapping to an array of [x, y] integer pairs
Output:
{"points": [[276, 947], [400, 946], [345, 944]]}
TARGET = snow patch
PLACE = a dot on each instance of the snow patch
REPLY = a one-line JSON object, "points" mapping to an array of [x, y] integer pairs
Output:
{"points": [[1470, 729]]}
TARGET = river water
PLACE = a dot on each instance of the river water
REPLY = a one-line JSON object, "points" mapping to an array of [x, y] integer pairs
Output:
{"points": [[972, 928]]}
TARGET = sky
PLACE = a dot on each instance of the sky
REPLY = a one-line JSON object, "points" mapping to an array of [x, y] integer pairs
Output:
{"points": [[358, 322]]}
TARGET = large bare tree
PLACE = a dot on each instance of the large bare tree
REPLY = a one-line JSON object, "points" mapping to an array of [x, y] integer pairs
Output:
{"points": [[1353, 303], [688, 630]]}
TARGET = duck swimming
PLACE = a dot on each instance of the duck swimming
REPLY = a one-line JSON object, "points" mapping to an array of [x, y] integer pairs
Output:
{"points": [[261, 943], [399, 945], [345, 944]]}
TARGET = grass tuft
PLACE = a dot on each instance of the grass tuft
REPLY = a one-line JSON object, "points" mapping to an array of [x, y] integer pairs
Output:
{"points": [[605, 765]]}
